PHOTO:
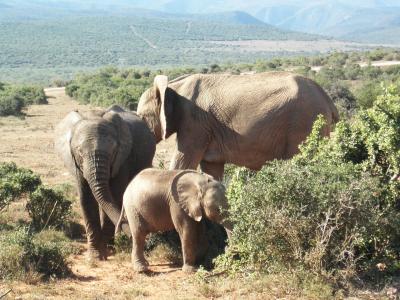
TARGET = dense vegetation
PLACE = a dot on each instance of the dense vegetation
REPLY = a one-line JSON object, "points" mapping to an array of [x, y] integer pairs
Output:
{"points": [[64, 46], [332, 210], [32, 248], [349, 85], [14, 98]]}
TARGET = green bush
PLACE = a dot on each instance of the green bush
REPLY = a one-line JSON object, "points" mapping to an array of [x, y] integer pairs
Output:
{"points": [[343, 98], [367, 93], [24, 255], [48, 208], [31, 94], [333, 209], [11, 105], [14, 182], [13, 99]]}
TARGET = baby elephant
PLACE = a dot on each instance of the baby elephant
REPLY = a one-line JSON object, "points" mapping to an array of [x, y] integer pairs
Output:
{"points": [[161, 200]]}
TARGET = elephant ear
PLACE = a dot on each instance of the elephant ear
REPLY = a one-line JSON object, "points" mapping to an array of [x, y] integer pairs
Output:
{"points": [[124, 140], [161, 87], [62, 140], [187, 190]]}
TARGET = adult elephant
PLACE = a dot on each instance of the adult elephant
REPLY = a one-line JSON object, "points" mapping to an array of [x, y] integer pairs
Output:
{"points": [[244, 120], [104, 151]]}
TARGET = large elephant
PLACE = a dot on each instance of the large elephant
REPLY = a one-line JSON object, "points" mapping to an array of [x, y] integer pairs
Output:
{"points": [[104, 151], [244, 120]]}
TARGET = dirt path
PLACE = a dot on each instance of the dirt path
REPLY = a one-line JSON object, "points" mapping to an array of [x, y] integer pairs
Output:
{"points": [[146, 40], [380, 63]]}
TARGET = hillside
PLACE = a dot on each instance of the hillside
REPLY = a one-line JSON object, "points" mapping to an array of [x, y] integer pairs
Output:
{"points": [[49, 48], [338, 18]]}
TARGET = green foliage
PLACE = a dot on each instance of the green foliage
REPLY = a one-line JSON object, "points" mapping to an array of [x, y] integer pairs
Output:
{"points": [[317, 217], [367, 93], [45, 206], [343, 98], [110, 86], [11, 105], [333, 209], [24, 255], [14, 98], [14, 182], [101, 41], [48, 208]]}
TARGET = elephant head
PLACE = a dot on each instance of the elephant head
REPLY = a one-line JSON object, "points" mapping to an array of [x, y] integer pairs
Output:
{"points": [[95, 147], [200, 195], [156, 108]]}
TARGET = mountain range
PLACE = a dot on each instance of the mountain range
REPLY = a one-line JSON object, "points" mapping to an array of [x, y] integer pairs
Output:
{"points": [[360, 20]]}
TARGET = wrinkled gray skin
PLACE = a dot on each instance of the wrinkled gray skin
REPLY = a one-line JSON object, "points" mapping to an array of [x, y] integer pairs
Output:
{"points": [[161, 200], [104, 151], [244, 120]]}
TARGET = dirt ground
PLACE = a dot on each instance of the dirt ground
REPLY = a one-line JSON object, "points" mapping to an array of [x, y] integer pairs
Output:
{"points": [[28, 141]]}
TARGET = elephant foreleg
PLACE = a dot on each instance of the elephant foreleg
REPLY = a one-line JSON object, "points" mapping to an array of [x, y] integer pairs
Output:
{"points": [[190, 149], [216, 170], [91, 217], [192, 236], [107, 228]]}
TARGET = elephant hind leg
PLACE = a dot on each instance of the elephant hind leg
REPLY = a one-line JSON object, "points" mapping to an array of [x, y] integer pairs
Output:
{"points": [[139, 262], [139, 232]]}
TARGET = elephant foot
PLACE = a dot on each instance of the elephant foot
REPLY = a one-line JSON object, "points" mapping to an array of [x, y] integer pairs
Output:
{"points": [[97, 255], [140, 267], [189, 269]]}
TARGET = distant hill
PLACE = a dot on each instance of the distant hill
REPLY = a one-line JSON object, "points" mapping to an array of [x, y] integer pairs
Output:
{"points": [[361, 20], [338, 20], [233, 17], [60, 46]]}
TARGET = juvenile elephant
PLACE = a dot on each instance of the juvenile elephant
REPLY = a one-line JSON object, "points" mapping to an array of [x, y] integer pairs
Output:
{"points": [[244, 120], [104, 151], [161, 200]]}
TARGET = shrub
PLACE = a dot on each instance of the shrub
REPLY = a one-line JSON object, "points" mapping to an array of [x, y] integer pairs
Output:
{"points": [[15, 182], [333, 209], [343, 98], [31, 94], [13, 99], [367, 94], [23, 255], [11, 105], [318, 217], [48, 208]]}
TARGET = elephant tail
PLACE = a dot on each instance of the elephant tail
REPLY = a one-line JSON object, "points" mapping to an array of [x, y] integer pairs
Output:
{"points": [[120, 221]]}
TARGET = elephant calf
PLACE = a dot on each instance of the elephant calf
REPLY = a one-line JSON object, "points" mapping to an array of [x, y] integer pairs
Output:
{"points": [[160, 200]]}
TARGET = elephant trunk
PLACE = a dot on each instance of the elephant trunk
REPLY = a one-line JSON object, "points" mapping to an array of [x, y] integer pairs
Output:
{"points": [[227, 224], [97, 174], [228, 228]]}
